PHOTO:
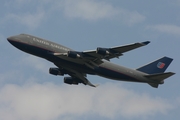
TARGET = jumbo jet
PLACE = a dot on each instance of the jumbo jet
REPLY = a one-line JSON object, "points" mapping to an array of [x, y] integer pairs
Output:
{"points": [[95, 62]]}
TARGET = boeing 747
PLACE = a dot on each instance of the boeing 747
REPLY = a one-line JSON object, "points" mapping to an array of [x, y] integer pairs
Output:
{"points": [[95, 62]]}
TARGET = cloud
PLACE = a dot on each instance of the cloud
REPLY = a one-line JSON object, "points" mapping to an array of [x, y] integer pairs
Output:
{"points": [[89, 10], [38, 63], [31, 20], [92, 10], [51, 102], [131, 17], [164, 28], [28, 13]]}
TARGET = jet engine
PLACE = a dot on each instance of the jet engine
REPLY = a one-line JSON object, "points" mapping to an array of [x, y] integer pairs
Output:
{"points": [[102, 51], [70, 80], [73, 54], [56, 71]]}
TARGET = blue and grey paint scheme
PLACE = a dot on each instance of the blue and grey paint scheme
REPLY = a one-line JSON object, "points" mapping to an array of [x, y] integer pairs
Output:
{"points": [[78, 64]]}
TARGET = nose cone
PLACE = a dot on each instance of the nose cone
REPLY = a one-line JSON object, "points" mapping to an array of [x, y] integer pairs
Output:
{"points": [[9, 38], [13, 40]]}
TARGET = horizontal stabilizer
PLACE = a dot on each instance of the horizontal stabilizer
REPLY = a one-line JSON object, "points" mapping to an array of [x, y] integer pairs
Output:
{"points": [[160, 76]]}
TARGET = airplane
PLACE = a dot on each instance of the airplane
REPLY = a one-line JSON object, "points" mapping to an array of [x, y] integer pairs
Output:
{"points": [[94, 62]]}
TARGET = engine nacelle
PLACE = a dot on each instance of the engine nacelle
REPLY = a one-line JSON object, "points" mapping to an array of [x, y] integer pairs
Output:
{"points": [[56, 71], [73, 54], [70, 80], [102, 51]]}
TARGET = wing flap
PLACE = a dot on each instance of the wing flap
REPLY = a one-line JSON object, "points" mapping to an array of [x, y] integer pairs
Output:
{"points": [[83, 78]]}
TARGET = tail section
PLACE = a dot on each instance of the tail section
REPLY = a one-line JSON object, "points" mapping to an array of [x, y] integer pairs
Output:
{"points": [[158, 66], [160, 76], [157, 79], [156, 71]]}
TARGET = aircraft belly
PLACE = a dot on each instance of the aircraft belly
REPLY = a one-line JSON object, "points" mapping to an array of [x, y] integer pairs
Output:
{"points": [[34, 50], [117, 72], [74, 66]]}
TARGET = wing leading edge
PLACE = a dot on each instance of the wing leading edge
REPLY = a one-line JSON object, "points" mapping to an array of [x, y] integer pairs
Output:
{"points": [[114, 52], [101, 53]]}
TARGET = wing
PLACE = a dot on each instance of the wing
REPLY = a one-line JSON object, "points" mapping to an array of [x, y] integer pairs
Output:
{"points": [[109, 53], [82, 78], [78, 76], [97, 55], [93, 58]]}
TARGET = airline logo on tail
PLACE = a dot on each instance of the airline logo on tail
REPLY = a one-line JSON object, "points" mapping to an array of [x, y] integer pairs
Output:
{"points": [[160, 65]]}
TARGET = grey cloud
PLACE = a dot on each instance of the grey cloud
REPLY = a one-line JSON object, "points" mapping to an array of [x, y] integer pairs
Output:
{"points": [[31, 20], [165, 28], [93, 10], [89, 10], [50, 102], [38, 63]]}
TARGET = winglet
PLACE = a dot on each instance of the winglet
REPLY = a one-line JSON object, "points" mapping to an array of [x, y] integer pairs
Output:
{"points": [[146, 42]]}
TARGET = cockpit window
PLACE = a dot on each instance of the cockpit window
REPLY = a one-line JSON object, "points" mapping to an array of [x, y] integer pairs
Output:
{"points": [[25, 35]]}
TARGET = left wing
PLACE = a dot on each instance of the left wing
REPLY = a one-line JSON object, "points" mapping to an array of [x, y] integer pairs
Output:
{"points": [[109, 53], [94, 57]]}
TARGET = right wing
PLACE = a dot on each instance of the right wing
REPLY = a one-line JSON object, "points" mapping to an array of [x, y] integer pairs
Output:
{"points": [[81, 77]]}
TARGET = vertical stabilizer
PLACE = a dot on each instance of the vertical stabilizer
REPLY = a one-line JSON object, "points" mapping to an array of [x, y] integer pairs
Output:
{"points": [[158, 66]]}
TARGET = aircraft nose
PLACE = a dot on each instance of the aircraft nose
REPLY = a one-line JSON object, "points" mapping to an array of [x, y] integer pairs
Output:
{"points": [[10, 38]]}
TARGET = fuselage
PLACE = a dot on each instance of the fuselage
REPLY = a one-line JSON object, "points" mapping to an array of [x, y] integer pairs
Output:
{"points": [[45, 49]]}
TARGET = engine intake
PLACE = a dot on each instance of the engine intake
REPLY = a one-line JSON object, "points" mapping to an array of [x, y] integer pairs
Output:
{"points": [[102, 51], [70, 80], [73, 54], [56, 71]]}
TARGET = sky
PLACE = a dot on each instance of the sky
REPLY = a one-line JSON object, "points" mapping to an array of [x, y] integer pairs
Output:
{"points": [[29, 92]]}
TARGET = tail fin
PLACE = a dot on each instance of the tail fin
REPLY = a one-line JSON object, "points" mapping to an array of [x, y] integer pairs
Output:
{"points": [[158, 66]]}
